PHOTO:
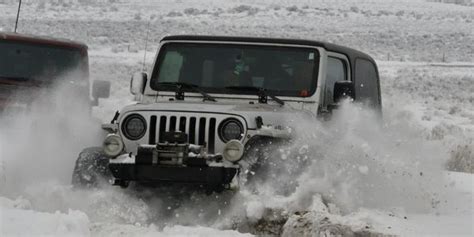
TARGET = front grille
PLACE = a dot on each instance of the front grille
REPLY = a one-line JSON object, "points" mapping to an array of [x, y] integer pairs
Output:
{"points": [[200, 130]]}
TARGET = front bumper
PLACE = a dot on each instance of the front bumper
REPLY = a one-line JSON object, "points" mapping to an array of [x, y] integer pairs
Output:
{"points": [[175, 174], [174, 163]]}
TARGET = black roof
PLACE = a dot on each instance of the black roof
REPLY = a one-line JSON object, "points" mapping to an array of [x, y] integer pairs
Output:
{"points": [[349, 52]]}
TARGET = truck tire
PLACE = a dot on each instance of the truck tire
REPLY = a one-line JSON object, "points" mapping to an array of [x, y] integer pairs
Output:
{"points": [[267, 167], [91, 168], [255, 161]]}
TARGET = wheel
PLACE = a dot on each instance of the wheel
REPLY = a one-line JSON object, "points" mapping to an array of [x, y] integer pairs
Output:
{"points": [[122, 183], [214, 188], [91, 168], [273, 163], [256, 157]]}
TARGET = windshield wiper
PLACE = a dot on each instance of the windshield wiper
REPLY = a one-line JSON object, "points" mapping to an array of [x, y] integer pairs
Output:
{"points": [[180, 94], [262, 93]]}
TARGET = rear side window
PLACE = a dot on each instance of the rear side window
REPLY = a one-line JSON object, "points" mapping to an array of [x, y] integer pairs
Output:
{"points": [[336, 71], [366, 82]]}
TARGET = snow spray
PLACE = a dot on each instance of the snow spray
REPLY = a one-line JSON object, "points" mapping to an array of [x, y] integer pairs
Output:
{"points": [[42, 140], [356, 161]]}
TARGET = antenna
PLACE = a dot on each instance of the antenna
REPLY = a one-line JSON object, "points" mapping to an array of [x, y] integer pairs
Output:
{"points": [[146, 43], [17, 15]]}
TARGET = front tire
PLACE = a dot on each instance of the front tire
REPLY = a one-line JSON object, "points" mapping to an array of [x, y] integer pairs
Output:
{"points": [[91, 168], [274, 163]]}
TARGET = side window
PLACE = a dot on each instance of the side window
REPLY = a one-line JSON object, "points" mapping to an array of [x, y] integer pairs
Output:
{"points": [[366, 82], [336, 71]]}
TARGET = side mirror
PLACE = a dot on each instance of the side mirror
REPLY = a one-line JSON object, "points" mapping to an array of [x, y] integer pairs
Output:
{"points": [[342, 90], [138, 83], [100, 89]]}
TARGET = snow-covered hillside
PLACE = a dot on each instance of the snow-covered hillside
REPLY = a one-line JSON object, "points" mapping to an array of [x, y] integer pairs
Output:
{"points": [[391, 181]]}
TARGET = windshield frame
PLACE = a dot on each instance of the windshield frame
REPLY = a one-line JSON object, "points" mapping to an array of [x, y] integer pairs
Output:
{"points": [[223, 91]]}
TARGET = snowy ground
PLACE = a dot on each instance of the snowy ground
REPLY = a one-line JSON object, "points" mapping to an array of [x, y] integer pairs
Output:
{"points": [[395, 182]]}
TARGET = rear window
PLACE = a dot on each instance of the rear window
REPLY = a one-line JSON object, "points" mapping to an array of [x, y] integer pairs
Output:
{"points": [[20, 60]]}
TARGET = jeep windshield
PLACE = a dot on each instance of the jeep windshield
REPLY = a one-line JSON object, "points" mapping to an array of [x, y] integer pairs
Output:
{"points": [[38, 62], [221, 68]]}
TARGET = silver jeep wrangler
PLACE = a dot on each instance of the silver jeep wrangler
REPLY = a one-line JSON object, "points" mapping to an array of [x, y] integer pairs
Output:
{"points": [[209, 100]]}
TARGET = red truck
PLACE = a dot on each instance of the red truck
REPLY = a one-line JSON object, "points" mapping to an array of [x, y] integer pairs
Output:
{"points": [[29, 63]]}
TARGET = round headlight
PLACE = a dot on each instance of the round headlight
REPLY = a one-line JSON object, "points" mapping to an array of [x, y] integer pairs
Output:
{"points": [[134, 127], [113, 145], [233, 151], [231, 129]]}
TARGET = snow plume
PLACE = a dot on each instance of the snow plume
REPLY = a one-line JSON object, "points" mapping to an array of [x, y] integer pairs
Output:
{"points": [[354, 161], [366, 165], [40, 141], [342, 166]]}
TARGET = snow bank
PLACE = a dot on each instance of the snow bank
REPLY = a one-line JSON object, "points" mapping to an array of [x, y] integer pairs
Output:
{"points": [[454, 218], [17, 220], [110, 211], [171, 231], [319, 221]]}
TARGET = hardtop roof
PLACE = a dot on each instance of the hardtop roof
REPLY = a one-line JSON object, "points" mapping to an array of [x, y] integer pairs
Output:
{"points": [[349, 52], [10, 36]]}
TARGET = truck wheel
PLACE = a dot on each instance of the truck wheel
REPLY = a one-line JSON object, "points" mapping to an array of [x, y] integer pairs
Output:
{"points": [[268, 167], [91, 168], [214, 188], [255, 159]]}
